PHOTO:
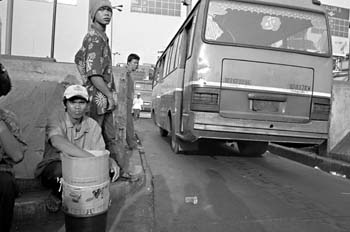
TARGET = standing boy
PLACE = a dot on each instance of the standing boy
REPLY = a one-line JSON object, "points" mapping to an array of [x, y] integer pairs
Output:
{"points": [[94, 62]]}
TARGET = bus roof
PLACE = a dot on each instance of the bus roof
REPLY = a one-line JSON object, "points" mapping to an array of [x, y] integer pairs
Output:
{"points": [[307, 4]]}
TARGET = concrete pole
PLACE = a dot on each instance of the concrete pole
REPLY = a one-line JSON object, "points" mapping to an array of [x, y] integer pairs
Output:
{"points": [[112, 37], [0, 32], [53, 31], [9, 22], [89, 18], [188, 7]]}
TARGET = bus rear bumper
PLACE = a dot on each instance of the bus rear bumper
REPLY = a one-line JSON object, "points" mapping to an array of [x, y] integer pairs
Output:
{"points": [[213, 126]]}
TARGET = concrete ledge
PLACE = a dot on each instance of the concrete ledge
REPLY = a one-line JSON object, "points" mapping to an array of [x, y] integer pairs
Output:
{"points": [[30, 206], [311, 159]]}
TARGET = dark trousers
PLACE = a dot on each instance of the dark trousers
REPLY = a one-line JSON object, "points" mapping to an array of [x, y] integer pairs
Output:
{"points": [[8, 193], [50, 177], [136, 114], [130, 130], [114, 146]]}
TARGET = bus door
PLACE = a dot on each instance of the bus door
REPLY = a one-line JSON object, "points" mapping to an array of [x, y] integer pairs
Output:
{"points": [[184, 54]]}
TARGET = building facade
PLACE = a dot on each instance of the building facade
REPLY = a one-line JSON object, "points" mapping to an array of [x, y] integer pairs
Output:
{"points": [[144, 27]]}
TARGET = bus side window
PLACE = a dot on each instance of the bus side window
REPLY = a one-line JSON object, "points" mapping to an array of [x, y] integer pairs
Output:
{"points": [[173, 54], [168, 62], [181, 53], [165, 66]]}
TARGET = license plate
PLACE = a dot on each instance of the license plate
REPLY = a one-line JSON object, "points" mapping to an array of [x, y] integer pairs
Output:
{"points": [[266, 106]]}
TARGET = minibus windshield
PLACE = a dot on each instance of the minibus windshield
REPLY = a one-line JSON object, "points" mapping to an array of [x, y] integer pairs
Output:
{"points": [[266, 26]]}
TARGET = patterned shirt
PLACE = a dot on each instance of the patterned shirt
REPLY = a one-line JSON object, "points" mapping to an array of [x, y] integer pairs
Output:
{"points": [[94, 59], [87, 137], [11, 122]]}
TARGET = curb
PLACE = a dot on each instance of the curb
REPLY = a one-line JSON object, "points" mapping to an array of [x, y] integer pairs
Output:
{"points": [[335, 167], [132, 207]]}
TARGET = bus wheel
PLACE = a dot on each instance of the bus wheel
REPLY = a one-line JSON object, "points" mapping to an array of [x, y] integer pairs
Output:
{"points": [[174, 143], [252, 148], [153, 116], [163, 133], [322, 149]]}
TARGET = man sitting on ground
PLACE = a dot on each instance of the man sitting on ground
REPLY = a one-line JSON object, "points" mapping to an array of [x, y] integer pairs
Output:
{"points": [[70, 132]]}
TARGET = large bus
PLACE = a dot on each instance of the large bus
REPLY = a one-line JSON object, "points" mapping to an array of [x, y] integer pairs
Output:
{"points": [[246, 71], [144, 87]]}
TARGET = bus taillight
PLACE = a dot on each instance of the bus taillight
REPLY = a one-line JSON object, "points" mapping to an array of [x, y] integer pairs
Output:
{"points": [[320, 109], [205, 99]]}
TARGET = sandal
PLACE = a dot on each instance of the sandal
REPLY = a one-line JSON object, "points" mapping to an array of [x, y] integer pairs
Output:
{"points": [[53, 203], [125, 176]]}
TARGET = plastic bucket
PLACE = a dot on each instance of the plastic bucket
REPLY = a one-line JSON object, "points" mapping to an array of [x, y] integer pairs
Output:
{"points": [[86, 171], [85, 191], [85, 201]]}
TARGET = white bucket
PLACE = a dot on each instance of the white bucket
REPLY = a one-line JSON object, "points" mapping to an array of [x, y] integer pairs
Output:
{"points": [[87, 171], [85, 201]]}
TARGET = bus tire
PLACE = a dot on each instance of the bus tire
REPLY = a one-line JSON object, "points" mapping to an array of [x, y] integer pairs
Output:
{"points": [[175, 146], [153, 116], [252, 148], [322, 149], [163, 132]]}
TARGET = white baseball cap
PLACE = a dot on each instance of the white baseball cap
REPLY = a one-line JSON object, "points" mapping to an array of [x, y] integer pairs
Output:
{"points": [[76, 91]]}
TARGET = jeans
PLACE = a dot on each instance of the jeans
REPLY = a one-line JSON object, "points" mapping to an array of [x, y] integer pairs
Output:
{"points": [[114, 146], [8, 193], [50, 177]]}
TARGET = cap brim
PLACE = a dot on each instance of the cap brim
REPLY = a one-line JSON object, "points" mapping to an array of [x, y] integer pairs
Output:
{"points": [[77, 96]]}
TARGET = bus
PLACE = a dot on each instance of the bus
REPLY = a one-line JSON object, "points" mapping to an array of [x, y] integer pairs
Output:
{"points": [[246, 71], [144, 87]]}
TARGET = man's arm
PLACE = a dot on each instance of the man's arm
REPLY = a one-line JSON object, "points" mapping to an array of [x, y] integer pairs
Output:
{"points": [[63, 145], [99, 83], [13, 148]]}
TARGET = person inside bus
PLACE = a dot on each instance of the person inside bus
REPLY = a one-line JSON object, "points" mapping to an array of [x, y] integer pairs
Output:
{"points": [[12, 148], [137, 106], [72, 132]]}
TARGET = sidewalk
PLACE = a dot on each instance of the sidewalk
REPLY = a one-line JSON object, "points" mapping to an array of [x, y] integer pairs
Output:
{"points": [[332, 166], [31, 214]]}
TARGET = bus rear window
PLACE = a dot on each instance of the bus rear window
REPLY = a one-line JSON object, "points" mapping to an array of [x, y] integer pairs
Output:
{"points": [[267, 26]]}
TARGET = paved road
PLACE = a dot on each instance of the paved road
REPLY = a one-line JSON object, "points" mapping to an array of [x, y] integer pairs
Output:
{"points": [[241, 194]]}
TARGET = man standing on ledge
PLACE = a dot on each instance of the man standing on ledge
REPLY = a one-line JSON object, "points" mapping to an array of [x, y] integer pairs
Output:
{"points": [[94, 62], [131, 66]]}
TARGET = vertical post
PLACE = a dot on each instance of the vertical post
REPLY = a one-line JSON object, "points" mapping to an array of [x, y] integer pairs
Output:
{"points": [[89, 16], [188, 4], [53, 32], [0, 34], [112, 37], [188, 7], [9, 22], [349, 57]]}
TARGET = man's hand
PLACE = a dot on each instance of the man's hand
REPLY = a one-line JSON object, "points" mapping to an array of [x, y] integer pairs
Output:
{"points": [[114, 168]]}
